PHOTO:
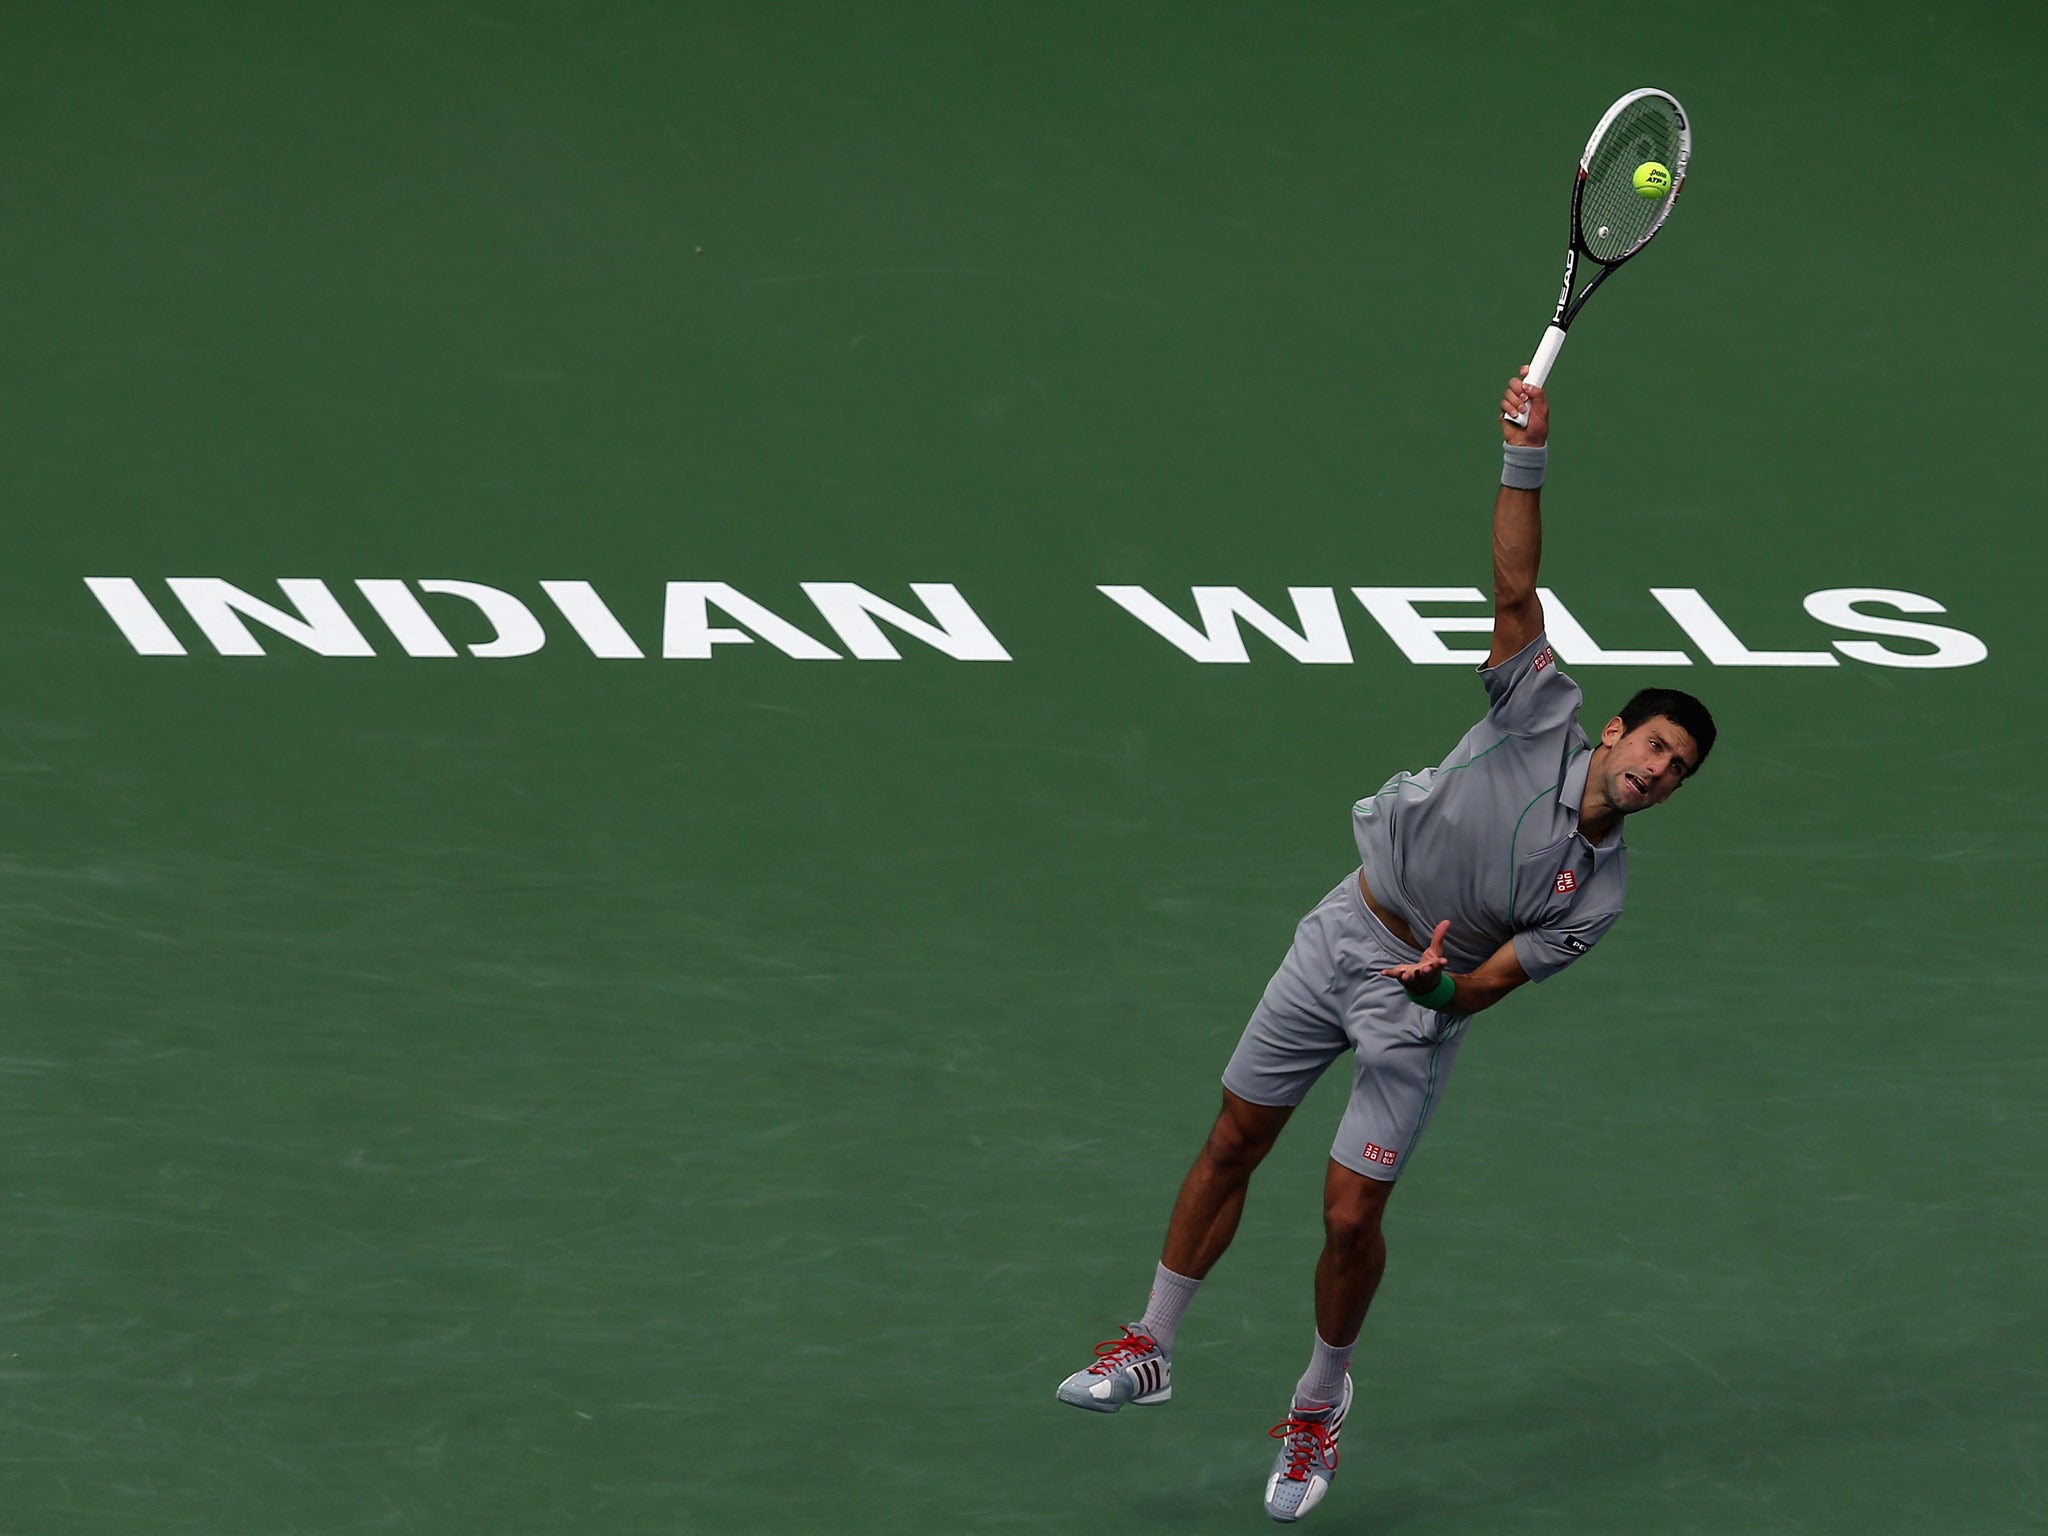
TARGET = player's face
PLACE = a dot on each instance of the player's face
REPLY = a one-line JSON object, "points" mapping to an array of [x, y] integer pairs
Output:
{"points": [[1645, 766]]}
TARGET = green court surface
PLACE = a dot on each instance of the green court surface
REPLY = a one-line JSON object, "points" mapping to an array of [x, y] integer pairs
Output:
{"points": [[557, 1092]]}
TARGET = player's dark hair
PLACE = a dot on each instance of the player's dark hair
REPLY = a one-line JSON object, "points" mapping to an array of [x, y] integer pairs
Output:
{"points": [[1681, 709]]}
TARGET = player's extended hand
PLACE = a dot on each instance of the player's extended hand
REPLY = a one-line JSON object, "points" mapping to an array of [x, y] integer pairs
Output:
{"points": [[1521, 393], [1422, 975]]}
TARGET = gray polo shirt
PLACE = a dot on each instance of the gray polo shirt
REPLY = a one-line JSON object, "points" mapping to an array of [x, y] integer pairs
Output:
{"points": [[1489, 838]]}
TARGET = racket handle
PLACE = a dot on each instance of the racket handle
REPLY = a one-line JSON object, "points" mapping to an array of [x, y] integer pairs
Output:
{"points": [[1540, 366]]}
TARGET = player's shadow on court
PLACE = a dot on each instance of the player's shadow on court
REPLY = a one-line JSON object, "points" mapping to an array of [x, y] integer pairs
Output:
{"points": [[1709, 1432]]}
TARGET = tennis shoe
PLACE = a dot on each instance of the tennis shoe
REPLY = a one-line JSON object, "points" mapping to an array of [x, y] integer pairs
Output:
{"points": [[1132, 1369], [1307, 1462]]}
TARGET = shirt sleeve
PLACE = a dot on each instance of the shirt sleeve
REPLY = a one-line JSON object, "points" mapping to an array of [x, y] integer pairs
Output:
{"points": [[1529, 694], [1546, 951]]}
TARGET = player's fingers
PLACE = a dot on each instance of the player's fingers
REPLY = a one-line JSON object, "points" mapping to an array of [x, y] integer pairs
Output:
{"points": [[1523, 373]]}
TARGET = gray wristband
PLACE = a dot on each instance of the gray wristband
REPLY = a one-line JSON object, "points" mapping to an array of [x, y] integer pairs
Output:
{"points": [[1521, 469]]}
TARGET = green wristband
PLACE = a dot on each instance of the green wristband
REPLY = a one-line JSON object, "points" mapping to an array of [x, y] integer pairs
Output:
{"points": [[1436, 996]]}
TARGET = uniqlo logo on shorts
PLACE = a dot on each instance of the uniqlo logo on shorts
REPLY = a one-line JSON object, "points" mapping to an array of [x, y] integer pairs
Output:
{"points": [[1543, 659], [1384, 1156], [1567, 882]]}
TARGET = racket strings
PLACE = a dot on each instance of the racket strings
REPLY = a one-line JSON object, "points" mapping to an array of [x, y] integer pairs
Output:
{"points": [[1614, 218]]}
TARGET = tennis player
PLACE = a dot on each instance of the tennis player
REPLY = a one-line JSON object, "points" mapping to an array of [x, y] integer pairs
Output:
{"points": [[1501, 865]]}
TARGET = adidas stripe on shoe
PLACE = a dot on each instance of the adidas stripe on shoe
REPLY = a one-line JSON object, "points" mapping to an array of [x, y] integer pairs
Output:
{"points": [[1132, 1369]]}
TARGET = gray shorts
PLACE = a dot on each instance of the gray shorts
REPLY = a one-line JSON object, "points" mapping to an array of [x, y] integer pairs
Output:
{"points": [[1329, 997]]}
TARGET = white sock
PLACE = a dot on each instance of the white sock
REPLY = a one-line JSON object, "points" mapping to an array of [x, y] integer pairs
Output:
{"points": [[1322, 1384], [1171, 1294]]}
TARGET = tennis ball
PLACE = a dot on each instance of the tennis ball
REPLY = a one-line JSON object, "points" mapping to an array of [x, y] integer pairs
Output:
{"points": [[1653, 179]]}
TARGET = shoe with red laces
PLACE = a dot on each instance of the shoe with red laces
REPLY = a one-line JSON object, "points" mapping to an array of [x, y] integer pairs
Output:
{"points": [[1307, 1462], [1132, 1369]]}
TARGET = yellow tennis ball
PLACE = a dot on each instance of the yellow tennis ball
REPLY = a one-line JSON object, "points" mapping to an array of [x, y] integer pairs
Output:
{"points": [[1653, 179]]}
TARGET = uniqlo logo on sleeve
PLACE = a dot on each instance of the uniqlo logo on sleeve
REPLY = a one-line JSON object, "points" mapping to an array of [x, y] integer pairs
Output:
{"points": [[1386, 1157], [1567, 882], [1543, 659]]}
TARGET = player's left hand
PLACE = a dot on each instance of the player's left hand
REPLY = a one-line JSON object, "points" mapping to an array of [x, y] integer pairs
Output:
{"points": [[1422, 975]]}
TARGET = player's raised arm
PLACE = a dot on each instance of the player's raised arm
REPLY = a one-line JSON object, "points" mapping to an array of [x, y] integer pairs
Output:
{"points": [[1518, 522]]}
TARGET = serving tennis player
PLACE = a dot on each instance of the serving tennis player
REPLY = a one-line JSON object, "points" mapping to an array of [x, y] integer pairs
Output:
{"points": [[1501, 865]]}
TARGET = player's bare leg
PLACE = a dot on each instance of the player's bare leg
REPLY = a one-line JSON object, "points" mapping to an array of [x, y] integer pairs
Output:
{"points": [[1354, 1252], [1138, 1368], [1211, 1199]]}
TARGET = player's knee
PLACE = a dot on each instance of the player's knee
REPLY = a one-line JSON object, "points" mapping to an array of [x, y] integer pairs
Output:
{"points": [[1351, 1229], [1242, 1135], [1231, 1148], [1352, 1220]]}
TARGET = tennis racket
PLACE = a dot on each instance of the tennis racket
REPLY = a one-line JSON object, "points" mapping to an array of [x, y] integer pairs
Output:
{"points": [[1611, 219]]}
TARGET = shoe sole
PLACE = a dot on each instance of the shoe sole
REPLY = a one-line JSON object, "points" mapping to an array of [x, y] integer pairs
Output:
{"points": [[1162, 1395]]}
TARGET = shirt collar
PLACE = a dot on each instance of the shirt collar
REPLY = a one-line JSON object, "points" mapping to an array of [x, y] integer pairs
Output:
{"points": [[1572, 792]]}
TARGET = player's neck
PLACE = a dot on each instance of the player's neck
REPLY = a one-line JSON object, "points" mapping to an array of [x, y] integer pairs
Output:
{"points": [[1598, 816], [1594, 828]]}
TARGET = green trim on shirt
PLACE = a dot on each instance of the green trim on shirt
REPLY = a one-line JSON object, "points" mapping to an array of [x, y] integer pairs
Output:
{"points": [[1405, 777], [1514, 864]]}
